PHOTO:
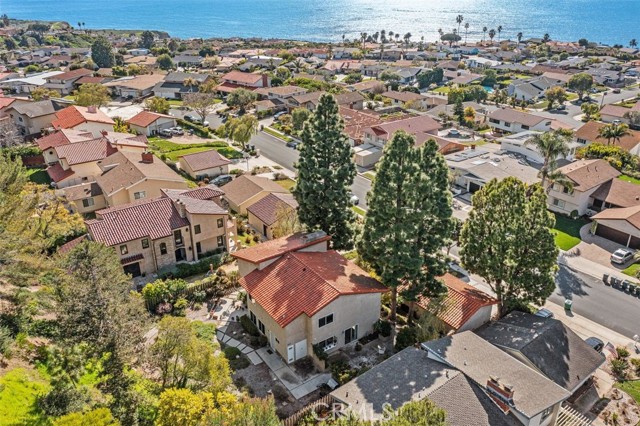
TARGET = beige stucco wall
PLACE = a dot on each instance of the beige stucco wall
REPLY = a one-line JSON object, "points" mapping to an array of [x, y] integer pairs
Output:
{"points": [[258, 225], [152, 187], [213, 172], [242, 208], [99, 203], [578, 200], [84, 172], [209, 231], [94, 128]]}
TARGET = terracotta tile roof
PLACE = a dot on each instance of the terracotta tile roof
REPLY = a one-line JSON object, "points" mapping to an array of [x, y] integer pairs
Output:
{"points": [[5, 101], [244, 187], [155, 218], [268, 209], [145, 118], [74, 115], [57, 173], [461, 302], [205, 160], [131, 259], [207, 192], [587, 174], [67, 247], [628, 214], [62, 137], [589, 132], [242, 77], [278, 247], [618, 192], [84, 152], [305, 282]]}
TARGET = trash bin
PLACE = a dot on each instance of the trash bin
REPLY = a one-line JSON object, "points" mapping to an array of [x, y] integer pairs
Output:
{"points": [[605, 279], [568, 304]]}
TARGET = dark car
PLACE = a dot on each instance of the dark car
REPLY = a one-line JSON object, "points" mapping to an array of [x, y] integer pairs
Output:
{"points": [[293, 144], [544, 313], [221, 180], [595, 343], [189, 118]]}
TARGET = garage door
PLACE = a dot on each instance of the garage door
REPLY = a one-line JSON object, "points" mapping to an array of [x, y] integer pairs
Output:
{"points": [[616, 236], [473, 187]]}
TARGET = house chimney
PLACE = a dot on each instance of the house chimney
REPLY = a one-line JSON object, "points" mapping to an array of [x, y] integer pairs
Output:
{"points": [[265, 80], [104, 133], [500, 393], [147, 157], [91, 109], [182, 211]]}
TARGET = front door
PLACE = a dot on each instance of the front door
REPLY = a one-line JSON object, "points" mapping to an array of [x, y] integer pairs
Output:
{"points": [[133, 269], [181, 254], [350, 334], [290, 354]]}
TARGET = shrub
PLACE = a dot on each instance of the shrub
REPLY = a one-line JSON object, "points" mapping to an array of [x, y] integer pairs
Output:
{"points": [[405, 338], [635, 362], [342, 373], [358, 347], [619, 368], [201, 131], [262, 340], [231, 353], [180, 307], [249, 326], [280, 393], [622, 352], [382, 327], [320, 353], [183, 270]]}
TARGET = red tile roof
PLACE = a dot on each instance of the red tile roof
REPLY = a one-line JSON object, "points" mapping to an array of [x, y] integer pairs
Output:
{"points": [[145, 118], [67, 247], [84, 152], [77, 73], [57, 173], [5, 101], [155, 218], [62, 137], [205, 160], [305, 282], [461, 302], [207, 192], [73, 116], [131, 259], [278, 247]]}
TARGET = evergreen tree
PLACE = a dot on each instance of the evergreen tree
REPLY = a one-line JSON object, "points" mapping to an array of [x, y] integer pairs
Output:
{"points": [[507, 240], [325, 173], [102, 53], [409, 219], [146, 39]]}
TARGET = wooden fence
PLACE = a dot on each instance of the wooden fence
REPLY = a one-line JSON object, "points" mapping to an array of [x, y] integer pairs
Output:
{"points": [[324, 403]]}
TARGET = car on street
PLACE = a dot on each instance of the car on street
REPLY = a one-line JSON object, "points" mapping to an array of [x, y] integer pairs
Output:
{"points": [[595, 343], [167, 133], [544, 313], [353, 199], [189, 118], [221, 180], [293, 144], [177, 130], [616, 90], [621, 256]]}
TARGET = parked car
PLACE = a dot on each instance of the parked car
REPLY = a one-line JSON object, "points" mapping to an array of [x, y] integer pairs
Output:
{"points": [[561, 107], [616, 90], [595, 343], [353, 199], [621, 256], [177, 130], [167, 133], [190, 118], [544, 313], [221, 180], [293, 144]]}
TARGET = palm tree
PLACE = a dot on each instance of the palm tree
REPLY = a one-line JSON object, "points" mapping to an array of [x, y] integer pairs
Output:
{"points": [[397, 36], [633, 43], [492, 34], [484, 31], [613, 131], [550, 145], [375, 36], [190, 83], [546, 37], [391, 35], [343, 36], [407, 38], [440, 31], [383, 36], [519, 37], [466, 30], [79, 24], [499, 31], [459, 20]]}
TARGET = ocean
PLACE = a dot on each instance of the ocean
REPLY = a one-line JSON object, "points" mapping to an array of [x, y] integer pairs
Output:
{"points": [[604, 21]]}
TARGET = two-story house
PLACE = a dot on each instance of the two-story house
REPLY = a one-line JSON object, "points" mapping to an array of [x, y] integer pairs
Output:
{"points": [[64, 83], [33, 117], [159, 232], [302, 295], [88, 119], [78, 162], [514, 121], [245, 190], [238, 79]]}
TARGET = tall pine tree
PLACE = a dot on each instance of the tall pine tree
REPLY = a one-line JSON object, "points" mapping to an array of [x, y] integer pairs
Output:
{"points": [[325, 173], [507, 240], [409, 219]]}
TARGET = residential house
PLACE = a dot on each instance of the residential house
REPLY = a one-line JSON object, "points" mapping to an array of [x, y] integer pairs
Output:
{"points": [[621, 225], [308, 100], [173, 86], [303, 296], [33, 117], [48, 142], [533, 88], [135, 87], [150, 123], [590, 133], [480, 62], [461, 77], [613, 113], [27, 83], [517, 143], [355, 122], [84, 198], [78, 162], [269, 211], [157, 233], [87, 119], [238, 79], [400, 99], [353, 100], [367, 86], [205, 164], [64, 83], [586, 177], [462, 308], [546, 345], [245, 190], [280, 93], [421, 127], [188, 60], [514, 121]]}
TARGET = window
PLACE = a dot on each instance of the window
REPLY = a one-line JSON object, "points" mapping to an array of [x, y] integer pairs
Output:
{"points": [[261, 327], [325, 320], [558, 203], [582, 141], [493, 120], [145, 243], [198, 248], [525, 127], [163, 248], [546, 413], [123, 249], [566, 190], [177, 237], [196, 229], [507, 124], [252, 316], [139, 195], [329, 343], [220, 241], [350, 334], [88, 202], [220, 223]]}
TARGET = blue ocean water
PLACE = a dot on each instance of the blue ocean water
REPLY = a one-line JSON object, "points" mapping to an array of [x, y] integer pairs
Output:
{"points": [[605, 21]]}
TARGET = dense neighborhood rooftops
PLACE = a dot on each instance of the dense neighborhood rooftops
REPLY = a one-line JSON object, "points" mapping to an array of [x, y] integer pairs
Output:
{"points": [[479, 360], [305, 282], [280, 246], [205, 160], [587, 174], [461, 302], [85, 151], [270, 208], [551, 346], [75, 115], [244, 187], [155, 218], [146, 118]]}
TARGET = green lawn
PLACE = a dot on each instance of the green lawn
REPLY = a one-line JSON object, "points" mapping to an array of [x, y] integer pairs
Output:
{"points": [[173, 150], [567, 231], [443, 90], [39, 176], [287, 184], [18, 391], [370, 175], [629, 179], [632, 270], [278, 135], [632, 387], [358, 210]]}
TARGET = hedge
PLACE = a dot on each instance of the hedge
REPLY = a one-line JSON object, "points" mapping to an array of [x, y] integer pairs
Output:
{"points": [[201, 131], [184, 270], [249, 326]]}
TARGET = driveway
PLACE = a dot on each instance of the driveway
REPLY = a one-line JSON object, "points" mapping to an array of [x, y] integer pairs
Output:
{"points": [[596, 249]]}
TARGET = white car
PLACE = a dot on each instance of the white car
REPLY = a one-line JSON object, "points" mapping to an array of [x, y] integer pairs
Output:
{"points": [[621, 256], [353, 199]]}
